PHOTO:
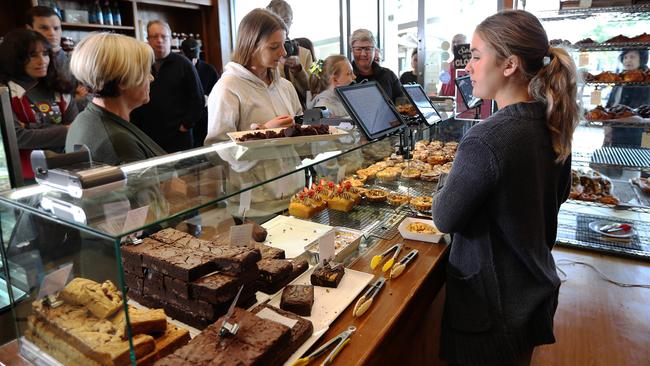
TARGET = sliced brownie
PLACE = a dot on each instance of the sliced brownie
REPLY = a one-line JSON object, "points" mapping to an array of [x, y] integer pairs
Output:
{"points": [[216, 287], [183, 264], [327, 275], [300, 331], [169, 235], [269, 252], [298, 299]]}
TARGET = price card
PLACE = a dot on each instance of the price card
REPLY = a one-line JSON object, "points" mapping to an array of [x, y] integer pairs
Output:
{"points": [[596, 97], [135, 219], [326, 246], [340, 175], [240, 235], [583, 59], [269, 314], [245, 199], [55, 281], [585, 3]]}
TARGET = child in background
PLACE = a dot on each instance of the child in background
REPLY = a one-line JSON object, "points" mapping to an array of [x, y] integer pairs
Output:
{"points": [[335, 71]]}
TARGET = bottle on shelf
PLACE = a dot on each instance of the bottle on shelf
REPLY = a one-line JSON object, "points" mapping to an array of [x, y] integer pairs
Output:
{"points": [[117, 15], [175, 41], [99, 16], [108, 17], [55, 6]]}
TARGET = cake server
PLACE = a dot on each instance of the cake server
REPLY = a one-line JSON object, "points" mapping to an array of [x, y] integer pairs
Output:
{"points": [[399, 268], [337, 342], [364, 302], [378, 258], [228, 328]]}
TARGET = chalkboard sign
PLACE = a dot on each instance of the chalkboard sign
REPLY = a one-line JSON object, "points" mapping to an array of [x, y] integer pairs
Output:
{"points": [[462, 55]]}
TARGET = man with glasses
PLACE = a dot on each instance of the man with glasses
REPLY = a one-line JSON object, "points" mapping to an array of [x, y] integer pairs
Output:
{"points": [[365, 68], [176, 96]]}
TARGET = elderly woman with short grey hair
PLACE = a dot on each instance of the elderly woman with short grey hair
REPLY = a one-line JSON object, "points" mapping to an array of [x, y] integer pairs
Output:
{"points": [[362, 44]]}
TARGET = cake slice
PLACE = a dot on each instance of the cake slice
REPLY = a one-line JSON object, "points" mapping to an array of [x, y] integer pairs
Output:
{"points": [[298, 299], [143, 321]]}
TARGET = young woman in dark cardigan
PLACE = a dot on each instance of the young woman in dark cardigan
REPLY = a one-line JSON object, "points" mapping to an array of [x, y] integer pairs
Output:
{"points": [[502, 197]]}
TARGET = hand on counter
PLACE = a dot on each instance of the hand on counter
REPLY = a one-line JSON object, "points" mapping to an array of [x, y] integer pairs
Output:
{"points": [[279, 121]]}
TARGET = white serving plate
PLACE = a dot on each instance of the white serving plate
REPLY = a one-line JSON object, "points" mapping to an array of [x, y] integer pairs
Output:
{"points": [[431, 238], [292, 235], [596, 225], [334, 134], [329, 303]]}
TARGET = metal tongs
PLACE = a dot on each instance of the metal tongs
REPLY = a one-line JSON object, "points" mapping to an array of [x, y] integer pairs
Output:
{"points": [[227, 328], [364, 302], [338, 342], [399, 268], [378, 258]]}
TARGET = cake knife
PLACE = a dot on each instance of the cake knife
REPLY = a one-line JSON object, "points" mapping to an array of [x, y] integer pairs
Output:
{"points": [[226, 327]]}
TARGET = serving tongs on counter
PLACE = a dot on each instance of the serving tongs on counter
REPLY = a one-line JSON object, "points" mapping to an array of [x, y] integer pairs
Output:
{"points": [[337, 342], [374, 262], [401, 266], [364, 302]]}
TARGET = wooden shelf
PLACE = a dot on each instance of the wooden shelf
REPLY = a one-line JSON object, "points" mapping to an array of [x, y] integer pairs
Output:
{"points": [[96, 26]]}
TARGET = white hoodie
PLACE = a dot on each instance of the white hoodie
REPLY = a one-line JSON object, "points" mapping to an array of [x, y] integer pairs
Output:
{"points": [[240, 98]]}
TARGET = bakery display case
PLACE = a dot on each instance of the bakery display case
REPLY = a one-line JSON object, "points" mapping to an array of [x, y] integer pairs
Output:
{"points": [[129, 275], [611, 148]]}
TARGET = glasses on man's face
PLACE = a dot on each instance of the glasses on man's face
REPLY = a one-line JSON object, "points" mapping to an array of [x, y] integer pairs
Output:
{"points": [[157, 36], [360, 50]]}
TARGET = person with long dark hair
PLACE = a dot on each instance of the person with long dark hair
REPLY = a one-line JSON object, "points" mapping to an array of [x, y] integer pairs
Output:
{"points": [[502, 197], [40, 97]]}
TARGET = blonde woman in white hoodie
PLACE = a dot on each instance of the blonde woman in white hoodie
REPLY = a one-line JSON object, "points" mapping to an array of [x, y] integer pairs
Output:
{"points": [[251, 95]]}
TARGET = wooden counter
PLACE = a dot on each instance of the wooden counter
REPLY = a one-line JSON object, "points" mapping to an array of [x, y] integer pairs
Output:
{"points": [[403, 324]]}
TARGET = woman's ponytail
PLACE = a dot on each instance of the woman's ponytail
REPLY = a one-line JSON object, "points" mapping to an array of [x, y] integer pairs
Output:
{"points": [[556, 85]]}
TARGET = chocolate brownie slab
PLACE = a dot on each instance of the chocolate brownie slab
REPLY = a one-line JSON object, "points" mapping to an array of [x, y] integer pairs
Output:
{"points": [[216, 287], [176, 288], [179, 263], [153, 284], [300, 331], [274, 270], [169, 235], [132, 254], [133, 282], [269, 252], [298, 299], [298, 267]]}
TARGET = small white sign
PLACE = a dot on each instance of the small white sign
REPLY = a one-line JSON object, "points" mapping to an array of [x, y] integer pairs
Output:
{"points": [[326, 246], [583, 59], [135, 218], [340, 175], [596, 97], [55, 281], [269, 314], [245, 199], [240, 235]]}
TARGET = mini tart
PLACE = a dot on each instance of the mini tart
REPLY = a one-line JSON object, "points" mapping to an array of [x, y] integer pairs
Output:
{"points": [[422, 203], [411, 173], [436, 144], [387, 175], [367, 172], [421, 145], [430, 175], [361, 191], [376, 195], [436, 159], [395, 199]]}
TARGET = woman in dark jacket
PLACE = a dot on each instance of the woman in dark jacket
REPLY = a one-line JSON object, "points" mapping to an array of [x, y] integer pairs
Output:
{"points": [[40, 97], [117, 69], [502, 197]]}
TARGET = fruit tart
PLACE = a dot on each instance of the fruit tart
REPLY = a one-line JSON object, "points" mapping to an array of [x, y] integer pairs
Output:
{"points": [[395, 199], [376, 195]]}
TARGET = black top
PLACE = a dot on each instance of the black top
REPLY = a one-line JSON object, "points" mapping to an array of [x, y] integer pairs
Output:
{"points": [[408, 77], [384, 77], [501, 201], [208, 76], [176, 98], [110, 139]]}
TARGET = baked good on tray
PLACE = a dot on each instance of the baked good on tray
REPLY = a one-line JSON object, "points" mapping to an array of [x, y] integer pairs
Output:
{"points": [[607, 77], [376, 195], [619, 39], [341, 199], [411, 173], [643, 37], [298, 299], [328, 274], [422, 203], [306, 204], [395, 199], [633, 76]]}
